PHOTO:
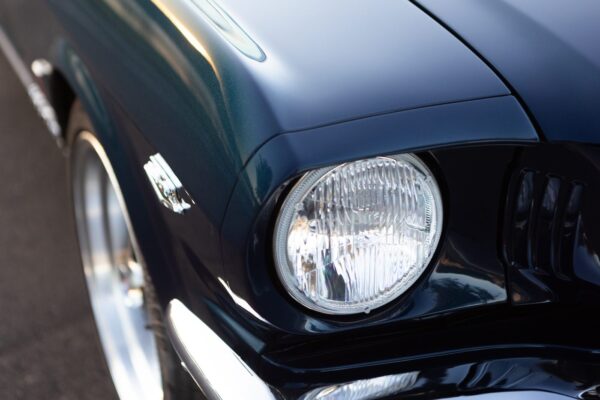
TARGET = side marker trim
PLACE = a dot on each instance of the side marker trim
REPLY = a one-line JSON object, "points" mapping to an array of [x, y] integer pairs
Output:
{"points": [[166, 185]]}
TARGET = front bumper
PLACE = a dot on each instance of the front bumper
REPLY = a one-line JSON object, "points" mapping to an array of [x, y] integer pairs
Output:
{"points": [[215, 367], [221, 374]]}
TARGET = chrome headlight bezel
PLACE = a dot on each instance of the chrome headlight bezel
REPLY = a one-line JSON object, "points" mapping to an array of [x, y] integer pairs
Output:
{"points": [[286, 216]]}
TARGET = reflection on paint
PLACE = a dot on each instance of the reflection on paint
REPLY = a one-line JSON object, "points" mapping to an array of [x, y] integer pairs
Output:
{"points": [[241, 302], [218, 19]]}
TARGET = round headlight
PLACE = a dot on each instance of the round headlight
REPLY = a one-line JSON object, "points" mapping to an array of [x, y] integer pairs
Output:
{"points": [[354, 237]]}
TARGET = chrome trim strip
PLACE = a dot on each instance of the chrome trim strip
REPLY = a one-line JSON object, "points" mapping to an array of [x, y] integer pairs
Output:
{"points": [[217, 369], [166, 185], [35, 92]]}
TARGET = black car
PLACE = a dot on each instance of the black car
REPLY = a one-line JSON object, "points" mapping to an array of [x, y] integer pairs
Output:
{"points": [[326, 199]]}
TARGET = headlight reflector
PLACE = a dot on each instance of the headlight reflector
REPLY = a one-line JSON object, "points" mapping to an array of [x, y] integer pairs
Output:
{"points": [[354, 237]]}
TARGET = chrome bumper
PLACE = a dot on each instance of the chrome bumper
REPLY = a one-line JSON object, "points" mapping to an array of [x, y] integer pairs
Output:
{"points": [[222, 375], [217, 369]]}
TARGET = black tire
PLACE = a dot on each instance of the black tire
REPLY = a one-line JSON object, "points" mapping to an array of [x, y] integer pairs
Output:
{"points": [[177, 384]]}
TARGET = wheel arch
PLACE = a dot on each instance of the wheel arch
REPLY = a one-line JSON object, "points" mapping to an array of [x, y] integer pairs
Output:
{"points": [[70, 81]]}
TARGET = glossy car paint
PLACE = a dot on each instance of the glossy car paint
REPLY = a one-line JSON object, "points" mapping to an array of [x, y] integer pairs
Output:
{"points": [[332, 71], [547, 49], [238, 125]]}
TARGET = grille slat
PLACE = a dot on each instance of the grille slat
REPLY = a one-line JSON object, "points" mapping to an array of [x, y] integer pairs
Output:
{"points": [[546, 226], [567, 230], [519, 227], [542, 224]]}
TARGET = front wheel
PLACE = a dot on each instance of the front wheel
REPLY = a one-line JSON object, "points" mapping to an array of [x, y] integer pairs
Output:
{"points": [[129, 322]]}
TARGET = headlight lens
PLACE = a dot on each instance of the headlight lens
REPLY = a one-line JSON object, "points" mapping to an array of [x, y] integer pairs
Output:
{"points": [[354, 237]]}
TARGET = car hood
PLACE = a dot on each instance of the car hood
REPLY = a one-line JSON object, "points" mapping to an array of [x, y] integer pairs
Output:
{"points": [[548, 52], [315, 63]]}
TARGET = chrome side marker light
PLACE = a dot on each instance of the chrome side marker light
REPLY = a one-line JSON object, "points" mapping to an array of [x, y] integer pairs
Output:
{"points": [[166, 185]]}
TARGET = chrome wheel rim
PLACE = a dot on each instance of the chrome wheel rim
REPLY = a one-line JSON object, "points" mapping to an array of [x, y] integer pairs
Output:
{"points": [[114, 273]]}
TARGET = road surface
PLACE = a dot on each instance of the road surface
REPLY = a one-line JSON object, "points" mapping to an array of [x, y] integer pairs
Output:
{"points": [[48, 346]]}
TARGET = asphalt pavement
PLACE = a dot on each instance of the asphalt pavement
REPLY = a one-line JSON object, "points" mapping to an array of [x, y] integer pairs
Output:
{"points": [[48, 344]]}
